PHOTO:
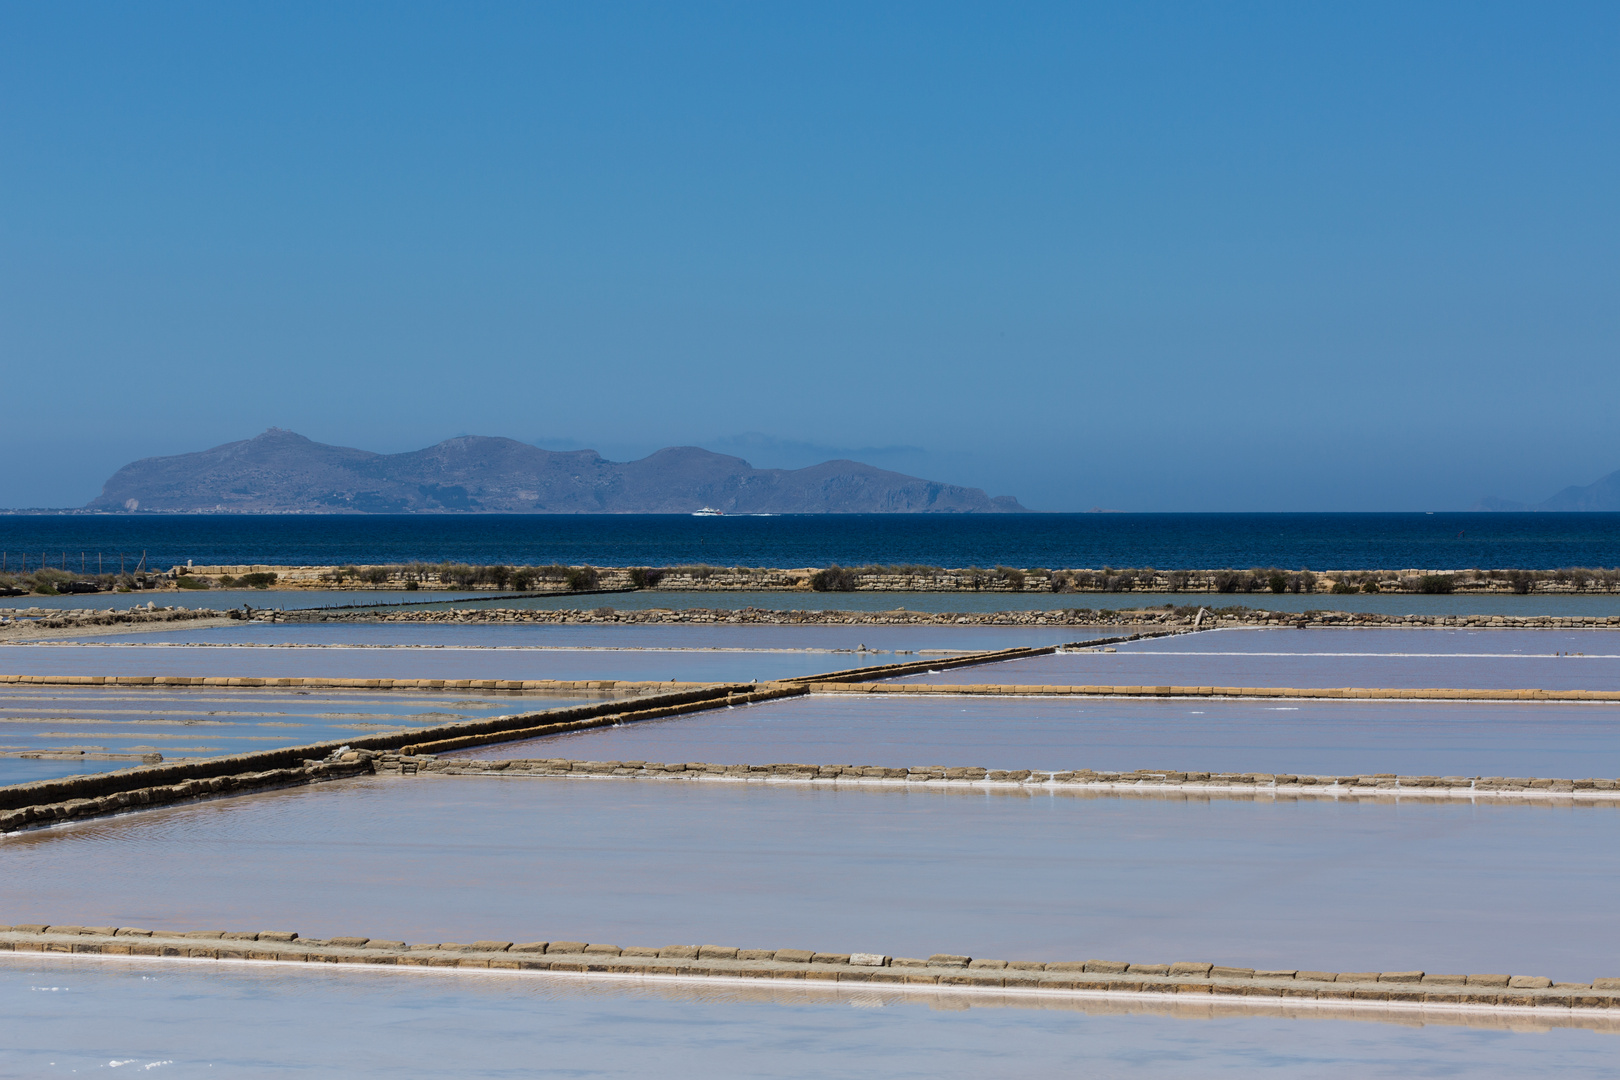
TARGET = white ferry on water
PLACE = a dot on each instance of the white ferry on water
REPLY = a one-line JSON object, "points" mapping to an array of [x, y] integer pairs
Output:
{"points": [[708, 511]]}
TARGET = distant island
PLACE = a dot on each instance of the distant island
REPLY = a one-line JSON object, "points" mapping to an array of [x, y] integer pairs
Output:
{"points": [[280, 472], [1601, 496]]}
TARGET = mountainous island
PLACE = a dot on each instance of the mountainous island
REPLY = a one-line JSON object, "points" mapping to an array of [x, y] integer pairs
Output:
{"points": [[1601, 496], [280, 472]]}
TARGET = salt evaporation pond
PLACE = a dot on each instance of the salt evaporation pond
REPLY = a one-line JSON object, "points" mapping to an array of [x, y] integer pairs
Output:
{"points": [[202, 722], [1441, 887], [654, 636], [1484, 659], [424, 662], [201, 1018], [1061, 733], [1379, 640]]}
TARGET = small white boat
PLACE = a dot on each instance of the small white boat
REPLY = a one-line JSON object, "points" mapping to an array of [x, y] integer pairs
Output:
{"points": [[708, 511]]}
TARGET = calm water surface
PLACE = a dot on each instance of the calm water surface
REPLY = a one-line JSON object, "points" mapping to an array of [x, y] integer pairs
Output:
{"points": [[1519, 889], [199, 1019], [1317, 737], [208, 722], [1165, 541], [659, 636], [1485, 659], [358, 662]]}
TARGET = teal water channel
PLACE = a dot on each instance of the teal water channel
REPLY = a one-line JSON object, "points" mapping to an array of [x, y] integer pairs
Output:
{"points": [[81, 729], [75, 1015], [1063, 733], [1439, 887]]}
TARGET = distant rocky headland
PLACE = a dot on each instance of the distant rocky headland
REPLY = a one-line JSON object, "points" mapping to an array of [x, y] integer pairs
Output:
{"points": [[1600, 496], [280, 472]]}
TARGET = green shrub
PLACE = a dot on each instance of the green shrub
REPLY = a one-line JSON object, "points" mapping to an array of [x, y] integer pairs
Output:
{"points": [[186, 581], [643, 577], [1340, 588], [261, 580], [1369, 585], [377, 575], [411, 585], [833, 579], [1013, 577], [1277, 581], [583, 579], [1436, 583]]}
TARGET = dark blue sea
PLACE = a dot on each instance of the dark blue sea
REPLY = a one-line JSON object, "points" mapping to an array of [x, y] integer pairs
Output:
{"points": [[1162, 541]]}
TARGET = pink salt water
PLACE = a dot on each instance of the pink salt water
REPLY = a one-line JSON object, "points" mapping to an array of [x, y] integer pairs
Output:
{"points": [[1521, 889]]}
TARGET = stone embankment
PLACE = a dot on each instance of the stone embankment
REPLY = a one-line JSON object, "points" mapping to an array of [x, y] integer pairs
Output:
{"points": [[1380, 785], [942, 970], [116, 797], [17, 621], [906, 578], [1166, 618], [917, 667], [1342, 693], [67, 798]]}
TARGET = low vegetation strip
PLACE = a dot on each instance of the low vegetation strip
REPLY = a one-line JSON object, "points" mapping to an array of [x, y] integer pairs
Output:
{"points": [[1380, 784], [1166, 617], [943, 970], [557, 578]]}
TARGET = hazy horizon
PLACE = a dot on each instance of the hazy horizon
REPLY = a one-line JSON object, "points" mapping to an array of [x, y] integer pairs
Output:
{"points": [[764, 452], [1162, 258]]}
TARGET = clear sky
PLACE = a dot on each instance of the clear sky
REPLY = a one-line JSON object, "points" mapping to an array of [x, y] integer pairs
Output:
{"points": [[1214, 256]]}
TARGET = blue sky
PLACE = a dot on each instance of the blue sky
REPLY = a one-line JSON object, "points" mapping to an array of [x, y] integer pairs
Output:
{"points": [[1148, 257]]}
